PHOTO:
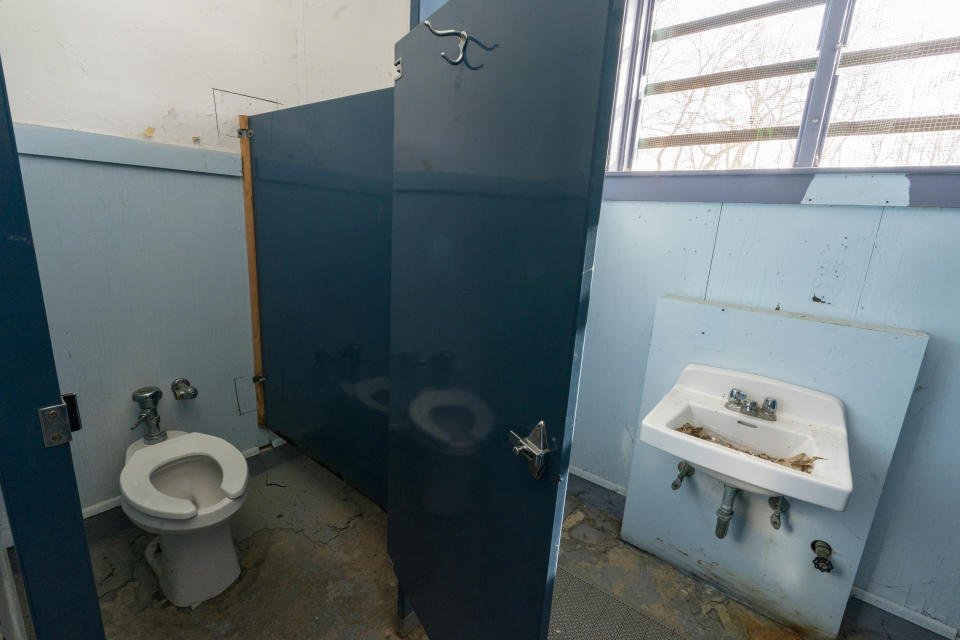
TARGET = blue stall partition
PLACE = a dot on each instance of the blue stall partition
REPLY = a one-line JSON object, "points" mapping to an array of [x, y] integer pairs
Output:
{"points": [[36, 469], [322, 200], [502, 118]]}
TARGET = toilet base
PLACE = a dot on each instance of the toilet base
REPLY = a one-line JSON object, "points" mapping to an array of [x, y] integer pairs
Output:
{"points": [[194, 567]]}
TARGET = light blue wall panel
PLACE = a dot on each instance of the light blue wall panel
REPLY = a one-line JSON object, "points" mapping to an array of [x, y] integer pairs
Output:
{"points": [[52, 142], [913, 558], [644, 250], [770, 255], [144, 280], [906, 281]]}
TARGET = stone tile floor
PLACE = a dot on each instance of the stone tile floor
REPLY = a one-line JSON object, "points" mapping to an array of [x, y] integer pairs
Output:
{"points": [[314, 565]]}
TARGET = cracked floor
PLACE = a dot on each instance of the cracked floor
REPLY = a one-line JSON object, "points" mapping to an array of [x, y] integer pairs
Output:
{"points": [[312, 552], [312, 559]]}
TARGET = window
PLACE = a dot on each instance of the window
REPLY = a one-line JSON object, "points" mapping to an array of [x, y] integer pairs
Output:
{"points": [[733, 84]]}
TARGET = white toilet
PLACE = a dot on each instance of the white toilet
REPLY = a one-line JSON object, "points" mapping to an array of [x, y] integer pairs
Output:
{"points": [[184, 489]]}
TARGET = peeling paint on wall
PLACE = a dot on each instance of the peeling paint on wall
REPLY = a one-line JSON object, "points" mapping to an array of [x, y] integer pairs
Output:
{"points": [[94, 66]]}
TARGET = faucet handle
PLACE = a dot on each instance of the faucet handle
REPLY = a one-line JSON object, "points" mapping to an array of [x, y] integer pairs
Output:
{"points": [[769, 408], [735, 399]]}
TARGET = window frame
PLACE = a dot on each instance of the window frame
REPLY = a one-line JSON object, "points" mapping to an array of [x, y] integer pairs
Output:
{"points": [[930, 186]]}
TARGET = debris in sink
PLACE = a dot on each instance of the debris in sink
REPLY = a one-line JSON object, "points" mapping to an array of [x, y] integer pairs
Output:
{"points": [[800, 462]]}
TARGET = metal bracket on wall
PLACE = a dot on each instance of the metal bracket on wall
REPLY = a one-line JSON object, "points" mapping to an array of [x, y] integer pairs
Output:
{"points": [[244, 133], [398, 68], [59, 421], [533, 448]]}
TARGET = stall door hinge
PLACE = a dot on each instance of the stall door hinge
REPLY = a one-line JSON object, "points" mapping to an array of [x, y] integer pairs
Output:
{"points": [[59, 421], [533, 448]]}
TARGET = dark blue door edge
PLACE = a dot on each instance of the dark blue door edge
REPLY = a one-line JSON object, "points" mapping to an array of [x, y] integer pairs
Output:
{"points": [[498, 168], [39, 485], [601, 137]]}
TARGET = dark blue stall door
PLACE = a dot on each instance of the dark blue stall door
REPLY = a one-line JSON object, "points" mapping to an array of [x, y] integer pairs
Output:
{"points": [[498, 167], [39, 486], [322, 195]]}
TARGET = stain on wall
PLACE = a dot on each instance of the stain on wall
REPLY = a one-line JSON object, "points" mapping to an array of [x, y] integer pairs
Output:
{"points": [[125, 68]]}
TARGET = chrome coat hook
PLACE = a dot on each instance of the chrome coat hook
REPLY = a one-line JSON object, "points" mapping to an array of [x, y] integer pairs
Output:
{"points": [[462, 38]]}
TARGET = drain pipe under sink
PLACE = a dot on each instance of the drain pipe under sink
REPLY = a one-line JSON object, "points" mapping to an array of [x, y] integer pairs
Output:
{"points": [[725, 512]]}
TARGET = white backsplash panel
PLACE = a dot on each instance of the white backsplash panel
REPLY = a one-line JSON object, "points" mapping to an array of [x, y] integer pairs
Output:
{"points": [[871, 369]]}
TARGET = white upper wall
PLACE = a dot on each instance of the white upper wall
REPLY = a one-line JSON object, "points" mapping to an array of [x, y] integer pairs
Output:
{"points": [[121, 66]]}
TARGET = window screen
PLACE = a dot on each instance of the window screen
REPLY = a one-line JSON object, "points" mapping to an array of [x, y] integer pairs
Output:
{"points": [[897, 100], [725, 90], [726, 84]]}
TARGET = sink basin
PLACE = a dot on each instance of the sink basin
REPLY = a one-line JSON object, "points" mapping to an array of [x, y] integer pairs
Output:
{"points": [[808, 422]]}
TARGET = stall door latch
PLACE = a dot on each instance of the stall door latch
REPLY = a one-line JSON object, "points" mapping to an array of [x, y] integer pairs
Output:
{"points": [[59, 421], [533, 448]]}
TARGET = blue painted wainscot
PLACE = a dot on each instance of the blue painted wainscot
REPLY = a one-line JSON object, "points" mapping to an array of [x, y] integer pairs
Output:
{"points": [[140, 245]]}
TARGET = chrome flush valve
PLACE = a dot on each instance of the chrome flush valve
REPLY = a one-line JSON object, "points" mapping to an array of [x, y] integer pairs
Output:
{"points": [[147, 398]]}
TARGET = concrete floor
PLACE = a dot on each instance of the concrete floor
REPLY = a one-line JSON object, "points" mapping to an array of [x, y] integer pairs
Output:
{"points": [[591, 549], [313, 559]]}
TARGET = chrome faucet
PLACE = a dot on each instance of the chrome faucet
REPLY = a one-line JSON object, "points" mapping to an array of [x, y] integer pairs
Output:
{"points": [[738, 401], [183, 390], [147, 398]]}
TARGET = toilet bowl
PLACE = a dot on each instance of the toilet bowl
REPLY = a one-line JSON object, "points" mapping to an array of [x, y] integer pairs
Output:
{"points": [[374, 393], [184, 490], [468, 424], [451, 426]]}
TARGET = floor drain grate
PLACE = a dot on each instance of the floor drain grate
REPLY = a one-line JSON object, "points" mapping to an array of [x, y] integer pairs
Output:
{"points": [[582, 611]]}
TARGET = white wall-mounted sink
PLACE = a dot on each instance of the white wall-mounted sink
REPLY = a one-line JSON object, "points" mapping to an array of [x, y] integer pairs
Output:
{"points": [[807, 422]]}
